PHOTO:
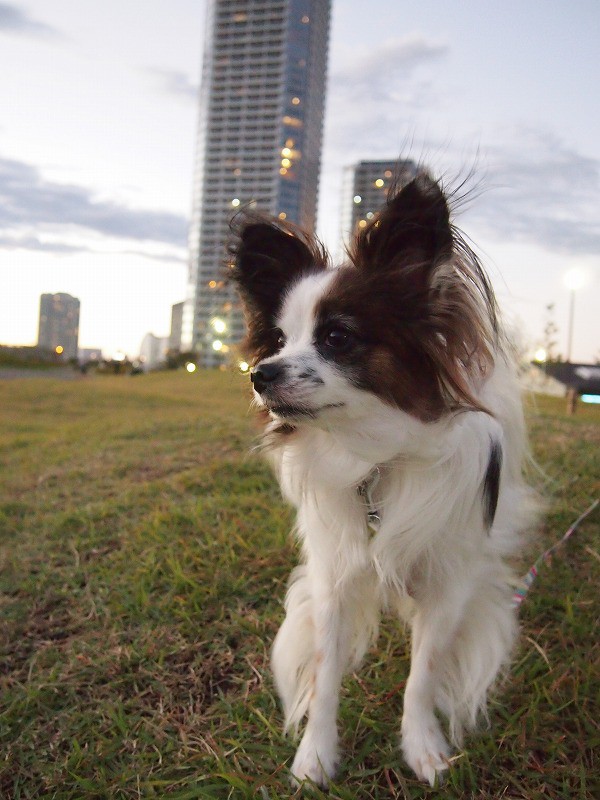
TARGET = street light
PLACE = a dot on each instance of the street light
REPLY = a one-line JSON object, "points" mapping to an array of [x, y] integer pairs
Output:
{"points": [[574, 279]]}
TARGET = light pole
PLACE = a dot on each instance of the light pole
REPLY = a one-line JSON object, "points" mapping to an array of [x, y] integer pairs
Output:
{"points": [[573, 280]]}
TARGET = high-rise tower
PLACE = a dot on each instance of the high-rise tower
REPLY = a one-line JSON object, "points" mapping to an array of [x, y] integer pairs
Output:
{"points": [[259, 144], [58, 329], [365, 187]]}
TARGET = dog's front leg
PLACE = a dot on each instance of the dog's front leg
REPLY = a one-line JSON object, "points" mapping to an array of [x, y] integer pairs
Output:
{"points": [[317, 755], [433, 628]]}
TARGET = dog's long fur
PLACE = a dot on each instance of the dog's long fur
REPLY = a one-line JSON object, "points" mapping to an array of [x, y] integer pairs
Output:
{"points": [[389, 388]]}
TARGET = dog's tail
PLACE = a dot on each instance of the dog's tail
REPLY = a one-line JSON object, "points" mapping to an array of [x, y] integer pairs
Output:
{"points": [[479, 654], [294, 651]]}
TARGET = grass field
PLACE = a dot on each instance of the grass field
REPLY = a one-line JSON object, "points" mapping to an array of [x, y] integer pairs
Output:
{"points": [[144, 557]]}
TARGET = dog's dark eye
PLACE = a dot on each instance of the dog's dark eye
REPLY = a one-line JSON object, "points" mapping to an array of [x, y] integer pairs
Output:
{"points": [[279, 337], [338, 339]]}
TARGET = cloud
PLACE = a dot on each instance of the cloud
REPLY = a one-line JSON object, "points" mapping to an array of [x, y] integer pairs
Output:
{"points": [[530, 186], [174, 83], [384, 81], [374, 96], [15, 21], [395, 59], [167, 258], [28, 242], [35, 243], [542, 192], [28, 200]]}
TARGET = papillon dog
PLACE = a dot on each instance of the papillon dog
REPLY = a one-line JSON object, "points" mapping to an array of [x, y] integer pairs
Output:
{"points": [[395, 428]]}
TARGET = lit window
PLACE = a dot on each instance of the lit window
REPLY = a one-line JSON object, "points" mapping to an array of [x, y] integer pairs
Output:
{"points": [[285, 162], [362, 223], [235, 202], [357, 199], [305, 19], [282, 215], [237, 171], [286, 152], [379, 183], [295, 101], [217, 345], [283, 171], [388, 173], [212, 284], [289, 142]]}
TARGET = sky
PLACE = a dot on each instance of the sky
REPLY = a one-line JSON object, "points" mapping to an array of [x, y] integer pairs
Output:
{"points": [[98, 127]]}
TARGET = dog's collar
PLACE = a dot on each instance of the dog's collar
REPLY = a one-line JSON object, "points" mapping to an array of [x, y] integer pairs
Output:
{"points": [[365, 491]]}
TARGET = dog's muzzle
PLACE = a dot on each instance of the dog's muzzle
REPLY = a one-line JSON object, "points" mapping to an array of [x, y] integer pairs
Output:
{"points": [[264, 376]]}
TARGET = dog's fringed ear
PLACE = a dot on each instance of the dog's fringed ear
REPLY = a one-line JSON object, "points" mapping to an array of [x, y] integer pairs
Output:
{"points": [[435, 287], [411, 231], [267, 256]]}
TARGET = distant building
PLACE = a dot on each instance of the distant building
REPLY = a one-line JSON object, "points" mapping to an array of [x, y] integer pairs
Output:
{"points": [[58, 329], [258, 144], [87, 354], [153, 351], [583, 379], [175, 335], [365, 188], [576, 381]]}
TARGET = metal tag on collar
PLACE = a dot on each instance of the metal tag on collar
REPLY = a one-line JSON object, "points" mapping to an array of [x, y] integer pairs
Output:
{"points": [[365, 490]]}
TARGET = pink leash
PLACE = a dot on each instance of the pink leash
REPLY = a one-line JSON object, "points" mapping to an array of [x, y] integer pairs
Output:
{"points": [[520, 592]]}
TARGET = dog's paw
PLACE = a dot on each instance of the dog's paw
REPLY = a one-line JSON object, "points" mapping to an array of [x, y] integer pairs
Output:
{"points": [[315, 761], [425, 749]]}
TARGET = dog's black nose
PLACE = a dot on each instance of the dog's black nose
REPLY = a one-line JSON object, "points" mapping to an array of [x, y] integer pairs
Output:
{"points": [[264, 375]]}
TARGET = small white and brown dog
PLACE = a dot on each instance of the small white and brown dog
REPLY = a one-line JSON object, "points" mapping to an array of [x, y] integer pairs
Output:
{"points": [[396, 429]]}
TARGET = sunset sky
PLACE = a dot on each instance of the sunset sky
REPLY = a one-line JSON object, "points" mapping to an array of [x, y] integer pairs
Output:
{"points": [[97, 142]]}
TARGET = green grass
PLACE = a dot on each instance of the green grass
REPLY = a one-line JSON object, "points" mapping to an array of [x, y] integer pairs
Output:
{"points": [[144, 557]]}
